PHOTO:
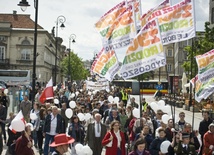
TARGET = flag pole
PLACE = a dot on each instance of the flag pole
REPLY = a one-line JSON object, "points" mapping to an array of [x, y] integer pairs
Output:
{"points": [[193, 108]]}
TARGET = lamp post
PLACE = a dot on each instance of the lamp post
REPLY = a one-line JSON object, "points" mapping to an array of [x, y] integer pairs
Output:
{"points": [[24, 4], [72, 37], [60, 20]]}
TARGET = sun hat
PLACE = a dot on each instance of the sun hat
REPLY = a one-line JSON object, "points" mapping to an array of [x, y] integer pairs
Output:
{"points": [[61, 139]]}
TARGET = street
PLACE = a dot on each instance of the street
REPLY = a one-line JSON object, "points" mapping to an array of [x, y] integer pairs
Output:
{"points": [[149, 99]]}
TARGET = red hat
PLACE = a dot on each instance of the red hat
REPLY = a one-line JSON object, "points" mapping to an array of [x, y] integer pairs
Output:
{"points": [[61, 139]]}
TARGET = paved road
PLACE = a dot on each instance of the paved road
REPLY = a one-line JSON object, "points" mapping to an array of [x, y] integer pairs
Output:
{"points": [[149, 99]]}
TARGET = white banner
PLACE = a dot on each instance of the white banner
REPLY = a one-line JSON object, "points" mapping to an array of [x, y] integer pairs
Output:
{"points": [[145, 53], [102, 85]]}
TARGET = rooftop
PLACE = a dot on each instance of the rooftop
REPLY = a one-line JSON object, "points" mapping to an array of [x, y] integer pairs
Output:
{"points": [[19, 20]]}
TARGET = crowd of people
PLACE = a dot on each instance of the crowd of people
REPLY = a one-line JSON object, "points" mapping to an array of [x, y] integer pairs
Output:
{"points": [[112, 127]]}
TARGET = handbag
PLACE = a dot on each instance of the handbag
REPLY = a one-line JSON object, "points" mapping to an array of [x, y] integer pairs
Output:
{"points": [[110, 143]]}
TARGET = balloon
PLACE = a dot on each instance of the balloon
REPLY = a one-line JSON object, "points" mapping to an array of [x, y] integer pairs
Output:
{"points": [[136, 112], [110, 99], [77, 93], [154, 106], [72, 104], [167, 109], [108, 90], [72, 95], [161, 103], [33, 116], [68, 113], [6, 91], [116, 99], [165, 118], [78, 147], [18, 125], [81, 116], [31, 126], [164, 146], [89, 93], [176, 117], [80, 90], [87, 150], [87, 116], [56, 101]]}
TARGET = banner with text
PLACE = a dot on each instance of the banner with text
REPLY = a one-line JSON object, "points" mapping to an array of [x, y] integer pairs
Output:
{"points": [[106, 64], [176, 22], [145, 53], [103, 85], [146, 17], [205, 82]]}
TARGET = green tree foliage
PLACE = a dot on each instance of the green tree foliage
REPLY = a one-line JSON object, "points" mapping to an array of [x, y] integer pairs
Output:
{"points": [[202, 44], [78, 71]]}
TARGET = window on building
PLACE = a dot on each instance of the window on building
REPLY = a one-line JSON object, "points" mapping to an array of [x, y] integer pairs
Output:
{"points": [[2, 52], [25, 54], [169, 67], [169, 53], [212, 16], [25, 42]]}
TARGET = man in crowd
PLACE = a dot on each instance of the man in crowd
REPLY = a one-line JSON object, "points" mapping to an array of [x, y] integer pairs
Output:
{"points": [[179, 126], [183, 147], [26, 106], [203, 126], [52, 127], [95, 134]]}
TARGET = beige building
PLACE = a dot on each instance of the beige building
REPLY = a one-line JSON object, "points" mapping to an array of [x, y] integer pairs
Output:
{"points": [[16, 47]]}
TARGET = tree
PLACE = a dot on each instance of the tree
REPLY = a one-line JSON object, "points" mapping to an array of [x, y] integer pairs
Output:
{"points": [[202, 44], [78, 71]]}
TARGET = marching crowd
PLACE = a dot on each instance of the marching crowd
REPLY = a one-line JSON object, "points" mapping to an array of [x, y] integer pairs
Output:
{"points": [[112, 127]]}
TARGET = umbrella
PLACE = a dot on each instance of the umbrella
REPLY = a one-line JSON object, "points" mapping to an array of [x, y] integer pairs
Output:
{"points": [[184, 82]]}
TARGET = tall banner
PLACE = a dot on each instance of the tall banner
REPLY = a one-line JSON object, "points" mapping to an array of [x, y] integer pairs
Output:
{"points": [[145, 53], [176, 22], [146, 17], [116, 27], [205, 82], [106, 64]]}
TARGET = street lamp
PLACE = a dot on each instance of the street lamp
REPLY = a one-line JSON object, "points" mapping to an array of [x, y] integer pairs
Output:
{"points": [[72, 37], [60, 20], [24, 4]]}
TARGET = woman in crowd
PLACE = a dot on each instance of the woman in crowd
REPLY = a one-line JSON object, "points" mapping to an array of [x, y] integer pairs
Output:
{"points": [[39, 124], [114, 140], [139, 148], [24, 143], [76, 130]]}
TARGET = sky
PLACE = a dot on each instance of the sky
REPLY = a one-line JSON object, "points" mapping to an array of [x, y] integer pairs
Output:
{"points": [[81, 15]]}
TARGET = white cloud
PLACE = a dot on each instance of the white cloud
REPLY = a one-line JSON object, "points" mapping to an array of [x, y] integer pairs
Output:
{"points": [[81, 16]]}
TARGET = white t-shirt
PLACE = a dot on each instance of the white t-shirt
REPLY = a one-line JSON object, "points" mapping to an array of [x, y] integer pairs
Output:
{"points": [[118, 138], [53, 125]]}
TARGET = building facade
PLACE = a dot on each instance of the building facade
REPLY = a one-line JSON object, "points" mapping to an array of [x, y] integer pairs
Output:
{"points": [[17, 47]]}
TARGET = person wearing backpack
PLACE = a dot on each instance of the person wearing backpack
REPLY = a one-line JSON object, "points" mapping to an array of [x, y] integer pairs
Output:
{"points": [[38, 127]]}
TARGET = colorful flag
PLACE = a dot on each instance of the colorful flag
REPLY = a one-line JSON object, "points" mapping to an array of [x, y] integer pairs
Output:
{"points": [[48, 93], [205, 82], [145, 53], [106, 64], [176, 22], [116, 27], [147, 16]]}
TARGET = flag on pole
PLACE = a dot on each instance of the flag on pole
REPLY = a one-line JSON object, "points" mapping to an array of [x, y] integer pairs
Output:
{"points": [[48, 93]]}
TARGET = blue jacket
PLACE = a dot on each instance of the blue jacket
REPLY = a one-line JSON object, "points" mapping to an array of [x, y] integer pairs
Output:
{"points": [[80, 131], [47, 125]]}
